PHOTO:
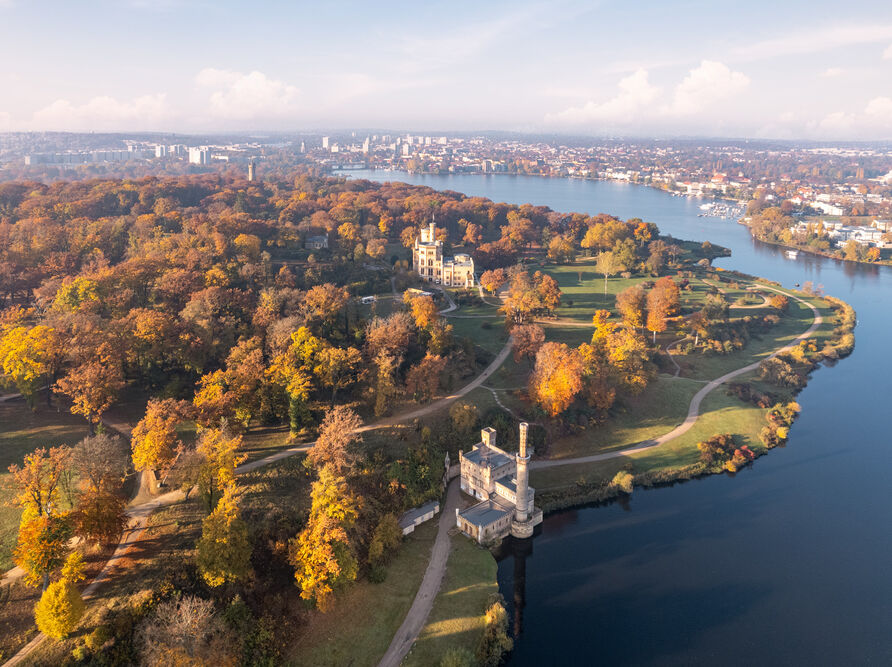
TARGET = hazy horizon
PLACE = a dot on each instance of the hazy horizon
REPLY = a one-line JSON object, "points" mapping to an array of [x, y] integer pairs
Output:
{"points": [[595, 70]]}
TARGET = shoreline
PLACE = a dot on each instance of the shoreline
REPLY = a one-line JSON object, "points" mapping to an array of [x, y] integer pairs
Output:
{"points": [[598, 493], [671, 193], [812, 251]]}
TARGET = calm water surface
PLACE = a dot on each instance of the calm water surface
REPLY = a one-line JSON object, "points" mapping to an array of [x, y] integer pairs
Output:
{"points": [[789, 562]]}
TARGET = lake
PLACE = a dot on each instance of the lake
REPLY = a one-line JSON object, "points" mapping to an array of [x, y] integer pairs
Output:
{"points": [[788, 562]]}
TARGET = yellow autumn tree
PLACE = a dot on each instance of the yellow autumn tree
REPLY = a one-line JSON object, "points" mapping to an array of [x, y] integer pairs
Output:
{"points": [[322, 554], [292, 371], [424, 310], [218, 449], [61, 606], [26, 354], [338, 368], [213, 400], [42, 545], [557, 377], [154, 439], [224, 551]]}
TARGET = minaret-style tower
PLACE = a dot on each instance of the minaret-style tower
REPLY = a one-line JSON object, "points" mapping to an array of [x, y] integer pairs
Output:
{"points": [[522, 526]]}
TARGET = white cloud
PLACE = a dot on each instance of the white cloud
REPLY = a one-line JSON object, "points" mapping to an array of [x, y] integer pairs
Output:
{"points": [[814, 40], [635, 95], [887, 54], [832, 72], [251, 96], [639, 101], [837, 123], [103, 113], [704, 86], [880, 109]]}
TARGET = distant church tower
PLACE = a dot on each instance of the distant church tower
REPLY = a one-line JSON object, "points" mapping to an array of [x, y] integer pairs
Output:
{"points": [[522, 526], [252, 173]]}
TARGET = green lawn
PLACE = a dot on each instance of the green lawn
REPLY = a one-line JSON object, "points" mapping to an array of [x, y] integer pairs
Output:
{"points": [[21, 432], [457, 616], [664, 404], [657, 410], [360, 627]]}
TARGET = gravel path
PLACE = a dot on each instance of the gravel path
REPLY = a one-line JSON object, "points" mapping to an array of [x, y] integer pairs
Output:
{"points": [[694, 408], [421, 607]]}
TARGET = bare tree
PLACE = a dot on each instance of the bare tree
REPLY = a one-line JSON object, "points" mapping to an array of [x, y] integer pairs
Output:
{"points": [[101, 461], [186, 632]]}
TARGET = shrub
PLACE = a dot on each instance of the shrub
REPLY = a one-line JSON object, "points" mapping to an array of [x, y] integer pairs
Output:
{"points": [[96, 639], [778, 371], [494, 642], [186, 631], [718, 449], [624, 481], [779, 302]]}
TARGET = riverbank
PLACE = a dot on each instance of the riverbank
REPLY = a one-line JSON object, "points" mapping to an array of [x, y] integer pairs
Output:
{"points": [[817, 253], [746, 410]]}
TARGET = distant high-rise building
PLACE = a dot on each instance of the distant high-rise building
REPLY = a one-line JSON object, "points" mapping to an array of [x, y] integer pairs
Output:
{"points": [[365, 145], [303, 147], [199, 155], [160, 151], [251, 170], [325, 143]]}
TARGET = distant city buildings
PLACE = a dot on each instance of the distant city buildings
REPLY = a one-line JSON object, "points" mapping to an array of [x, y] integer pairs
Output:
{"points": [[201, 155]]}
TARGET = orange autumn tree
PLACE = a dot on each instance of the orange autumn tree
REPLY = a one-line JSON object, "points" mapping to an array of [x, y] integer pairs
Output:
{"points": [[662, 303], [93, 384], [557, 377], [493, 280], [423, 379], [631, 304], [423, 309], [45, 527], [527, 339]]}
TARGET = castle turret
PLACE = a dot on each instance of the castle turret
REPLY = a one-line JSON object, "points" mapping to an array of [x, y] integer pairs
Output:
{"points": [[522, 526]]}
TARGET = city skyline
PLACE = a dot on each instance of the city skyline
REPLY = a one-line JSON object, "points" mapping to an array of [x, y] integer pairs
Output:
{"points": [[568, 68]]}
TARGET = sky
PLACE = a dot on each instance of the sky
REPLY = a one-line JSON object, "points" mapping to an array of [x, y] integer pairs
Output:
{"points": [[782, 69]]}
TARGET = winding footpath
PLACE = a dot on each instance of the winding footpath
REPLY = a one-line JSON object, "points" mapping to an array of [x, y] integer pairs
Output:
{"points": [[140, 508], [421, 607], [694, 408], [433, 576]]}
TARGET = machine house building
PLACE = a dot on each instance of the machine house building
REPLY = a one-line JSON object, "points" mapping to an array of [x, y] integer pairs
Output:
{"points": [[500, 481], [428, 261]]}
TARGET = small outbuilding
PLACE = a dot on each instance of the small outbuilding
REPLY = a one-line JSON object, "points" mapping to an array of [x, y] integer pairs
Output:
{"points": [[417, 516]]}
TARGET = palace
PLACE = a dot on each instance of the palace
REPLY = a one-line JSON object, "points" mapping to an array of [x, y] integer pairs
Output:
{"points": [[501, 482], [428, 261]]}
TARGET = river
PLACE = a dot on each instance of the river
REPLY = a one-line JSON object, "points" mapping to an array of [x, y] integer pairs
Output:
{"points": [[789, 562]]}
